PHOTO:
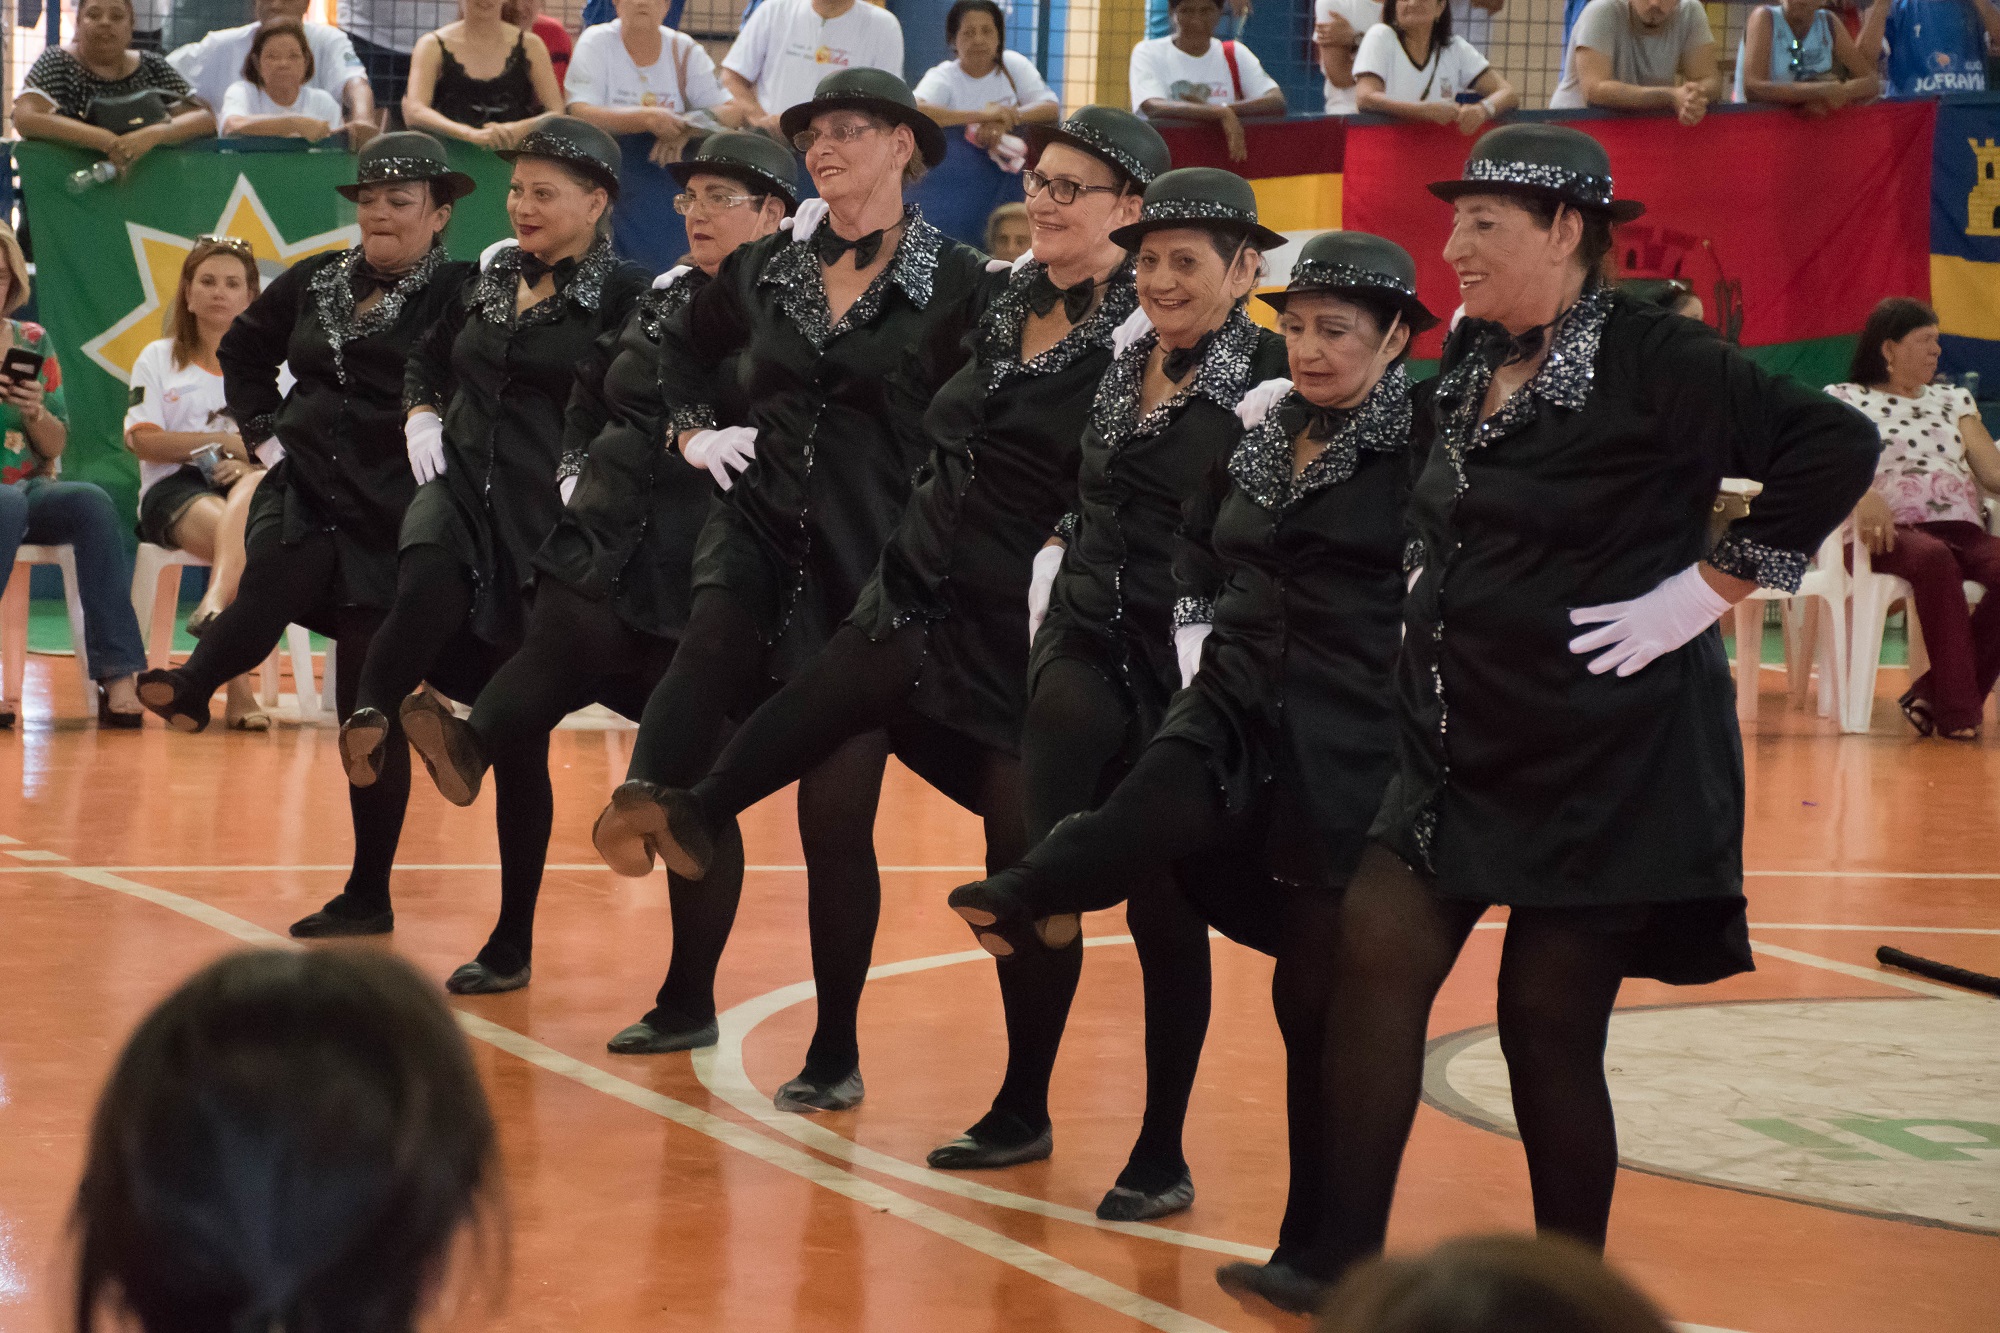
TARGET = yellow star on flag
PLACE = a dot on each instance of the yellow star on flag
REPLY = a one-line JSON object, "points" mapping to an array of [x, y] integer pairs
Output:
{"points": [[158, 256]]}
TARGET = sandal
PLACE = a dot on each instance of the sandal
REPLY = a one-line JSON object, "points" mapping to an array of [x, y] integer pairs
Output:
{"points": [[258, 721], [1917, 712]]}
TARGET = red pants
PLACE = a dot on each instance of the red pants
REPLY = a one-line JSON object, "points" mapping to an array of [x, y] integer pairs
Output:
{"points": [[1938, 559]]}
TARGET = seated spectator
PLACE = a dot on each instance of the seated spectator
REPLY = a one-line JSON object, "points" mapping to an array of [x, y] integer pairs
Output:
{"points": [[383, 33], [1641, 55], [1924, 518], [1798, 54], [195, 476], [1411, 66], [274, 98], [1491, 1284], [1007, 232], [528, 14], [98, 93], [481, 79], [35, 507], [1190, 76], [787, 46], [987, 87], [637, 76], [291, 1140], [217, 60], [1933, 46]]}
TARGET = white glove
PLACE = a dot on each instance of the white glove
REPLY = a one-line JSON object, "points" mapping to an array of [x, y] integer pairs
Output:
{"points": [[1009, 153], [1040, 583], [1640, 630], [487, 256], [566, 488], [423, 433], [1011, 265], [1257, 403], [1136, 326], [806, 219], [1187, 646], [670, 277], [722, 452]]}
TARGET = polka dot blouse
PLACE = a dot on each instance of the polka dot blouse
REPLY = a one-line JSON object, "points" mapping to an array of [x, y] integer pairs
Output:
{"points": [[1923, 473], [62, 78]]}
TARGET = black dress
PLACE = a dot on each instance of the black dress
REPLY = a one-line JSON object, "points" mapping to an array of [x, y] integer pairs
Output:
{"points": [[502, 382], [1112, 603], [507, 97], [346, 469], [1521, 777], [800, 533]]}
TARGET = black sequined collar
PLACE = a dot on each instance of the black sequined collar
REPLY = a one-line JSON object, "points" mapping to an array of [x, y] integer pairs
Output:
{"points": [[1564, 379], [1262, 463], [1224, 375], [493, 296], [655, 304], [1007, 319], [333, 293], [794, 269]]}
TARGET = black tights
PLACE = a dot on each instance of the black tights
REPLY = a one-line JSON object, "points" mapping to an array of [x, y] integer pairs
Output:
{"points": [[300, 582], [1398, 939], [426, 636], [718, 673], [576, 652]]}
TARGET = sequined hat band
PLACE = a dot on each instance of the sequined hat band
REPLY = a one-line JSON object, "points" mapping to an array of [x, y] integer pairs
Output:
{"points": [[1086, 135], [1587, 189], [383, 169], [1308, 274]]}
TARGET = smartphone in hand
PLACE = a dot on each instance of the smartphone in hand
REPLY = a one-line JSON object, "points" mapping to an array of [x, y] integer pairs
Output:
{"points": [[21, 365]]}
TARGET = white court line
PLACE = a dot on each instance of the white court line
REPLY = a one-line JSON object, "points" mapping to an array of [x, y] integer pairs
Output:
{"points": [[992, 1244]]}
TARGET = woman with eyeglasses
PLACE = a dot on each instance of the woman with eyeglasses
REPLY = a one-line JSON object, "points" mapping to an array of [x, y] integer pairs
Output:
{"points": [[321, 540], [933, 652], [611, 589], [826, 322]]}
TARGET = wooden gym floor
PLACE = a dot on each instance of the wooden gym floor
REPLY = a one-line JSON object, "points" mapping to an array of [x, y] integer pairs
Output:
{"points": [[1809, 1149]]}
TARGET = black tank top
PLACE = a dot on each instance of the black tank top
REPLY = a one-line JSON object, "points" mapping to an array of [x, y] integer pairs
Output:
{"points": [[508, 96]]}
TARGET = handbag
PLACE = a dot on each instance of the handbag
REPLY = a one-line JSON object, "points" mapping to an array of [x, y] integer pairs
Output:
{"points": [[128, 111]]}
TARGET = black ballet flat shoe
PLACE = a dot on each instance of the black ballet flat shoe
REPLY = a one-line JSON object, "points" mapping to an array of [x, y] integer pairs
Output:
{"points": [[475, 978], [1000, 1139], [1274, 1284], [802, 1096], [1129, 1205], [645, 820], [109, 717], [8, 717], [162, 692], [447, 744], [327, 924], [642, 1038], [361, 745], [1917, 712]]}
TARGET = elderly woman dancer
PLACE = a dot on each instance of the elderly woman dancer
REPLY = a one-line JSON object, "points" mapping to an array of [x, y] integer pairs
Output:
{"points": [[1567, 732]]}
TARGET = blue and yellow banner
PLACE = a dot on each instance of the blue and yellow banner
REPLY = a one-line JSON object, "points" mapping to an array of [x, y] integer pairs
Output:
{"points": [[1965, 236]]}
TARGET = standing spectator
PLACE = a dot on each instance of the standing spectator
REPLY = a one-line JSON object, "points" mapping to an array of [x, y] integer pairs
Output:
{"points": [[495, 110], [528, 14], [216, 61], [1337, 29], [1934, 46], [1411, 66], [1922, 519], [1473, 20], [274, 98], [1796, 54], [637, 76], [1190, 76], [787, 46], [1641, 55], [90, 92], [1008, 232], [987, 86], [384, 32], [35, 507]]}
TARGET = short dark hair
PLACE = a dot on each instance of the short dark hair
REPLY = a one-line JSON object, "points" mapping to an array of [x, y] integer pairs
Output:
{"points": [[1172, 5], [960, 8], [1894, 319], [1440, 30], [1488, 1284], [265, 32], [1593, 247], [292, 1139]]}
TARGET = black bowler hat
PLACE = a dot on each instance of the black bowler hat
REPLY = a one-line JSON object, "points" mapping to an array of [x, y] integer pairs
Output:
{"points": [[406, 155], [1122, 141], [1551, 162], [760, 162], [1200, 197], [574, 143], [879, 93], [1353, 263]]}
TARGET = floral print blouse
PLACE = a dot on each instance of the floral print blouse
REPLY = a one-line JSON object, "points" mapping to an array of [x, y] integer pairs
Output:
{"points": [[1923, 473]]}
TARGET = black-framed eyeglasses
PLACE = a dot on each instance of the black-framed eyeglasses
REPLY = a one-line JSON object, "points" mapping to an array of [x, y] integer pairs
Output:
{"points": [[686, 200], [1061, 189], [844, 132], [235, 243]]}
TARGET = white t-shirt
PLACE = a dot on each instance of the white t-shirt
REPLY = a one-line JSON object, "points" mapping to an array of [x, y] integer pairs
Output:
{"points": [[1451, 70], [1361, 15], [247, 99], [601, 73], [216, 61], [785, 48], [1161, 69], [187, 399], [947, 85]]}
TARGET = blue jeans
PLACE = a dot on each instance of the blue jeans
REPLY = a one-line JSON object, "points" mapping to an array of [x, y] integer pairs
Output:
{"points": [[81, 515]]}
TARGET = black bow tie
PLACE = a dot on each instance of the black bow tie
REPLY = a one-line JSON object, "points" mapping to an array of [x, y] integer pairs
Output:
{"points": [[533, 270], [1179, 362], [830, 247], [367, 279], [1323, 423], [1043, 295]]}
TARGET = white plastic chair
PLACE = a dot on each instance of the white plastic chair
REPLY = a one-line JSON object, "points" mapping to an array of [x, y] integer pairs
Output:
{"points": [[156, 594], [1815, 621], [14, 620], [1875, 596]]}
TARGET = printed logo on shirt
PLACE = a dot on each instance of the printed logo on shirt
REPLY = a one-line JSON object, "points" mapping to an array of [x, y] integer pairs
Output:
{"points": [[1183, 91], [826, 55]]}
